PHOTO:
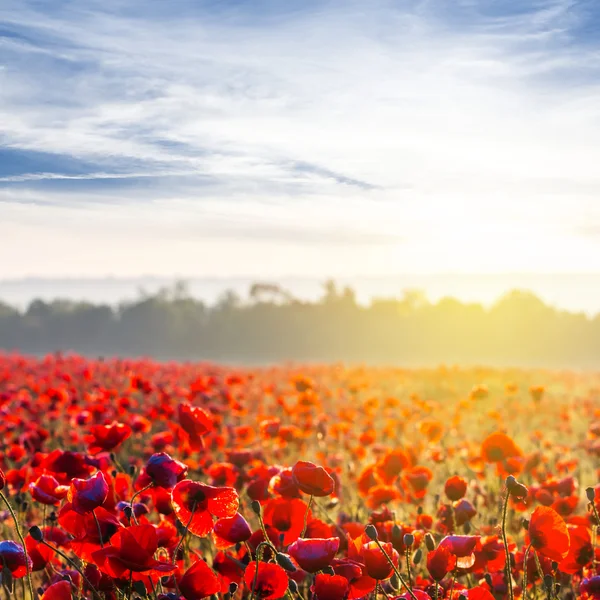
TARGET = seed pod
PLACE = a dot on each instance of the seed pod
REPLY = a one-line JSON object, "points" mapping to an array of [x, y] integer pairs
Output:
{"points": [[283, 560], [293, 586], [36, 533], [548, 583], [525, 523], [409, 539], [590, 493], [371, 532], [429, 542], [417, 556], [255, 506]]}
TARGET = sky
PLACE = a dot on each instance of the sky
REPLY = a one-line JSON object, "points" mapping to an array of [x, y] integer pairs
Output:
{"points": [[299, 138]]}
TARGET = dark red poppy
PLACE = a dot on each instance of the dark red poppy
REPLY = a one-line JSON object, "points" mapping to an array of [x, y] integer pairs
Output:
{"points": [[376, 564], [228, 568], [196, 422], [66, 465], [197, 504], [548, 533], [314, 554], [590, 588], [199, 581], [455, 488], [229, 531], [12, 556], [85, 495], [283, 484], [131, 552], [108, 437], [165, 471], [47, 490], [268, 582], [312, 479], [330, 587]]}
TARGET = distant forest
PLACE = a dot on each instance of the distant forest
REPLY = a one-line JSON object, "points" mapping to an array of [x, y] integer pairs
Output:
{"points": [[270, 325]]}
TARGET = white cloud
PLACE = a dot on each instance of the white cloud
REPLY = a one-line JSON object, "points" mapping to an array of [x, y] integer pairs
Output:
{"points": [[346, 138]]}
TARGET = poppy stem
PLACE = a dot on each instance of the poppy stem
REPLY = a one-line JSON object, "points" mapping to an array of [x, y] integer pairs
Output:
{"points": [[507, 567], [408, 568], [133, 500], [185, 531], [310, 500], [74, 565], [99, 529], [525, 559], [396, 570], [20, 534]]}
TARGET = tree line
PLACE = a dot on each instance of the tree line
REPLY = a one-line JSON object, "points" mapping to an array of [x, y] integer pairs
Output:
{"points": [[270, 325]]}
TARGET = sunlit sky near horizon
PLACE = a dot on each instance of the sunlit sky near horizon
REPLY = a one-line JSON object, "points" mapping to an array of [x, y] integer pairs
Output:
{"points": [[308, 138]]}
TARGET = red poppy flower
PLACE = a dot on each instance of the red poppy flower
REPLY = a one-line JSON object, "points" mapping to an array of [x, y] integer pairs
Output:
{"points": [[314, 554], [165, 471], [269, 582], [199, 581], [312, 479], [229, 531], [196, 504], [355, 573], [283, 484], [196, 422], [12, 556], [66, 465], [440, 562], [497, 447], [548, 533], [229, 570], [47, 490], [581, 550], [455, 488], [87, 494], [61, 590], [131, 551], [463, 511], [391, 464], [287, 516], [376, 564], [108, 437], [477, 593], [330, 587], [462, 547]]}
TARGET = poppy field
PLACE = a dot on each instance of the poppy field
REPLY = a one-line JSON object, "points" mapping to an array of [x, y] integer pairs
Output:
{"points": [[129, 479]]}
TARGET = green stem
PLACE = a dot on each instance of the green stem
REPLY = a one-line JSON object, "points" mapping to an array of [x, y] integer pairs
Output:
{"points": [[306, 517], [74, 565], [183, 535], [408, 568], [525, 559], [133, 500], [18, 529], [506, 552], [99, 529]]}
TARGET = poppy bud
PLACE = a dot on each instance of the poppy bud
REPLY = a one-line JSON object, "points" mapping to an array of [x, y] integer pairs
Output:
{"points": [[409, 539], [418, 556], [36, 533], [283, 560], [371, 532], [328, 570], [293, 586], [525, 523], [429, 542], [467, 528], [462, 597], [554, 565], [396, 531], [394, 582], [233, 588], [515, 489], [489, 580], [131, 470], [128, 512], [420, 510], [255, 506], [548, 582], [590, 493], [557, 587], [7, 580], [24, 505]]}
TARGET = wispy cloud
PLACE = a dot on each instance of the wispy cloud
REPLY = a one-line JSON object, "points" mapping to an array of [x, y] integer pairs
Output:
{"points": [[417, 124]]}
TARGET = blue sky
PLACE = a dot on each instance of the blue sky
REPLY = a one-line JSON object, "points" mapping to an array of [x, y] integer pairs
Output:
{"points": [[299, 138]]}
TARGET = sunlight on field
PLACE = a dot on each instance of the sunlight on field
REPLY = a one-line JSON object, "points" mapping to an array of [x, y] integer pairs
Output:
{"points": [[188, 480]]}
